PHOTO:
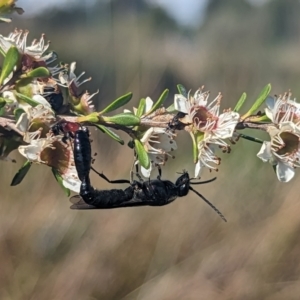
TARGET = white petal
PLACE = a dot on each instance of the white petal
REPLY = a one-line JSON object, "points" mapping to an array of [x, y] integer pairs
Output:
{"points": [[40, 99], [72, 70], [198, 169], [23, 122], [72, 184], [149, 104], [146, 172], [265, 152], [166, 143], [181, 103], [31, 152], [269, 114], [226, 125], [5, 43], [284, 172], [201, 98], [127, 111], [270, 102]]}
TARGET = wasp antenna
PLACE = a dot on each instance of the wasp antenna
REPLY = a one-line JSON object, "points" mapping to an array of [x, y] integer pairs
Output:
{"points": [[201, 182], [210, 204]]}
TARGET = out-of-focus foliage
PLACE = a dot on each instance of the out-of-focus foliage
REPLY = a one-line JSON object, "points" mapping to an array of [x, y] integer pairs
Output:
{"points": [[181, 251]]}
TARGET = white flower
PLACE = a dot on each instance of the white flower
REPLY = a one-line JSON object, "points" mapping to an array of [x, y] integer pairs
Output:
{"points": [[82, 101], [283, 151], [36, 121], [71, 80], [283, 109], [205, 117], [54, 153], [36, 50], [206, 158], [158, 143]]}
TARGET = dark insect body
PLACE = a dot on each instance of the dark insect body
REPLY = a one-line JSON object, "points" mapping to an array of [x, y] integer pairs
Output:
{"points": [[67, 129], [155, 192], [175, 123], [56, 101]]}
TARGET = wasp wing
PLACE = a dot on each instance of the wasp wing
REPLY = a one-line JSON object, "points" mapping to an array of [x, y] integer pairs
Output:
{"points": [[79, 203]]}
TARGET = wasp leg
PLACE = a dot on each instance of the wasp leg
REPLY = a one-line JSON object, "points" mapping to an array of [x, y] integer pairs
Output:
{"points": [[108, 180]]}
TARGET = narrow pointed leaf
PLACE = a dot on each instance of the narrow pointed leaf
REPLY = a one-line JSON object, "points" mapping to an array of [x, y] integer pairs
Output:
{"points": [[92, 118], [10, 61], [182, 90], [59, 179], [171, 108], [2, 102], [20, 175], [159, 102], [124, 119], [26, 99], [141, 108], [18, 112], [39, 72], [142, 154], [259, 101], [117, 103], [110, 133], [240, 103], [195, 148]]}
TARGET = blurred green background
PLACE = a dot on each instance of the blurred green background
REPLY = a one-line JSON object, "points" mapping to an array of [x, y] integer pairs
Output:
{"points": [[183, 250]]}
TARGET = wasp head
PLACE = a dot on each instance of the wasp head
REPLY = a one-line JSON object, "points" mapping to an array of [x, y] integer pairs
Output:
{"points": [[183, 184]]}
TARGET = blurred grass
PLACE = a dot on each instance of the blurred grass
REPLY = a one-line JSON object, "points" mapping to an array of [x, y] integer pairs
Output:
{"points": [[184, 250]]}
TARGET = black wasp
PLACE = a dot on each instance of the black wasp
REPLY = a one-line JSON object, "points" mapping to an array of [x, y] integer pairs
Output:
{"points": [[155, 192]]}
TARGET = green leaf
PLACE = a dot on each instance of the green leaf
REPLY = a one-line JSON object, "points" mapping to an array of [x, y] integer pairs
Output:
{"points": [[141, 108], [124, 119], [39, 72], [259, 101], [142, 154], [59, 179], [10, 61], [2, 102], [196, 138], [20, 175], [182, 90], [26, 99], [195, 148], [159, 102], [117, 103], [171, 108], [92, 118], [18, 112], [240, 103], [110, 133]]}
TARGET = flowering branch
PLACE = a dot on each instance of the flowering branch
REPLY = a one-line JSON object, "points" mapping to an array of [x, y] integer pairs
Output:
{"points": [[36, 95]]}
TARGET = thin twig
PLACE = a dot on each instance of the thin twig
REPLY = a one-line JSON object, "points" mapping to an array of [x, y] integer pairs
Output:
{"points": [[260, 126], [9, 124]]}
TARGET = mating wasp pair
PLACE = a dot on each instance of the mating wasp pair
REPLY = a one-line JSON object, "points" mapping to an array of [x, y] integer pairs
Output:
{"points": [[155, 192]]}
